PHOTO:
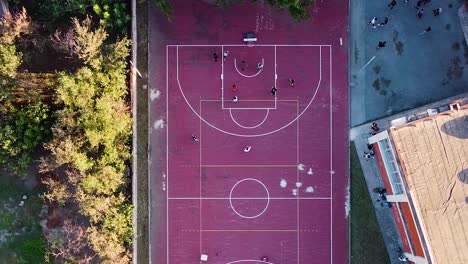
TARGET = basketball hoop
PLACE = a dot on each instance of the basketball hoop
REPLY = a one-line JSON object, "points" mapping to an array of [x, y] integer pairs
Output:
{"points": [[249, 38]]}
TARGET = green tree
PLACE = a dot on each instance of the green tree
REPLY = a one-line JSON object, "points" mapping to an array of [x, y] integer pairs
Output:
{"points": [[89, 142], [298, 9], [165, 8]]}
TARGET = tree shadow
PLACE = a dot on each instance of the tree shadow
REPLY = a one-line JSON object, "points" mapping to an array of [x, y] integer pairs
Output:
{"points": [[463, 176], [457, 127]]}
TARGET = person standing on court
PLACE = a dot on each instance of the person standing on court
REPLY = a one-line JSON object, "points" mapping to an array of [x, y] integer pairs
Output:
{"points": [[292, 82], [194, 138], [273, 90], [260, 66], [225, 54], [243, 65], [215, 56]]}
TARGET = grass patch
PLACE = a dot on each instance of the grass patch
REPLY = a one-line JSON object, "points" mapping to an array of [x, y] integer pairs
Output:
{"points": [[24, 242], [376, 84], [385, 82], [377, 69], [367, 245]]}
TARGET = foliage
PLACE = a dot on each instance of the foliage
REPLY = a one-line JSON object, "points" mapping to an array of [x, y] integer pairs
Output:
{"points": [[33, 249], [165, 8], [14, 25], [106, 244], [297, 8], [70, 243], [80, 41], [90, 144], [113, 14], [10, 60], [21, 131]]}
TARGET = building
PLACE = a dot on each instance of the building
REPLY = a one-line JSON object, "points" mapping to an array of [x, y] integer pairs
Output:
{"points": [[423, 160]]}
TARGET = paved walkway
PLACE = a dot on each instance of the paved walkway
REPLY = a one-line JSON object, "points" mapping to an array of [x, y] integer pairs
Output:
{"points": [[359, 136], [412, 69]]}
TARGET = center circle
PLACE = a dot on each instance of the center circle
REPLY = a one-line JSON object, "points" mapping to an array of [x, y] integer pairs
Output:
{"points": [[265, 198]]}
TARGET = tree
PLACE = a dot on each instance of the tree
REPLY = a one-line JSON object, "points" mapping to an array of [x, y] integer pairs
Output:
{"points": [[89, 142], [13, 26], [297, 8], [70, 243], [165, 8], [21, 131], [81, 41]]}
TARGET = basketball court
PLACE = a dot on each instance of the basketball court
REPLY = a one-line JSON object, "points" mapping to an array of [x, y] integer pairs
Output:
{"points": [[284, 200], [273, 201]]}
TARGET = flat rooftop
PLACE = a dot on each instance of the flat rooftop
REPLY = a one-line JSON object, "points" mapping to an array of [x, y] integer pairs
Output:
{"points": [[434, 157]]}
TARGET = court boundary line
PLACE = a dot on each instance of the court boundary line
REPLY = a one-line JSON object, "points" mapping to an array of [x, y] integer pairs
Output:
{"points": [[248, 135], [249, 198], [255, 45], [249, 127], [167, 155], [331, 157]]}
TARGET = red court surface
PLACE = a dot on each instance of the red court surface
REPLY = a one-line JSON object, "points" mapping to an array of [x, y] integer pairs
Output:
{"points": [[284, 199]]}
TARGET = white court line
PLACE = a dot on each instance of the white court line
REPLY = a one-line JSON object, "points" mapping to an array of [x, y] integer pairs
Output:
{"points": [[167, 155], [249, 198], [249, 127], [276, 76], [331, 159], [247, 108], [247, 76], [247, 135], [254, 261], [267, 198], [240, 45], [222, 74]]}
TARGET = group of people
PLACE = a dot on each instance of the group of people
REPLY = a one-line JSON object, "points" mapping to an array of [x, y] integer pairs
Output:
{"points": [[419, 14]]}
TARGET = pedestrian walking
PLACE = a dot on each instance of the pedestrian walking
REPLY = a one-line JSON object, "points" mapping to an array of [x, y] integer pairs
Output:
{"points": [[437, 11], [428, 29], [420, 13], [215, 56], [418, 4], [406, 2], [235, 99], [367, 155], [384, 22], [225, 54], [234, 88], [194, 138], [381, 44], [274, 90], [243, 65], [247, 149], [374, 127], [392, 4], [372, 22], [292, 82]]}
